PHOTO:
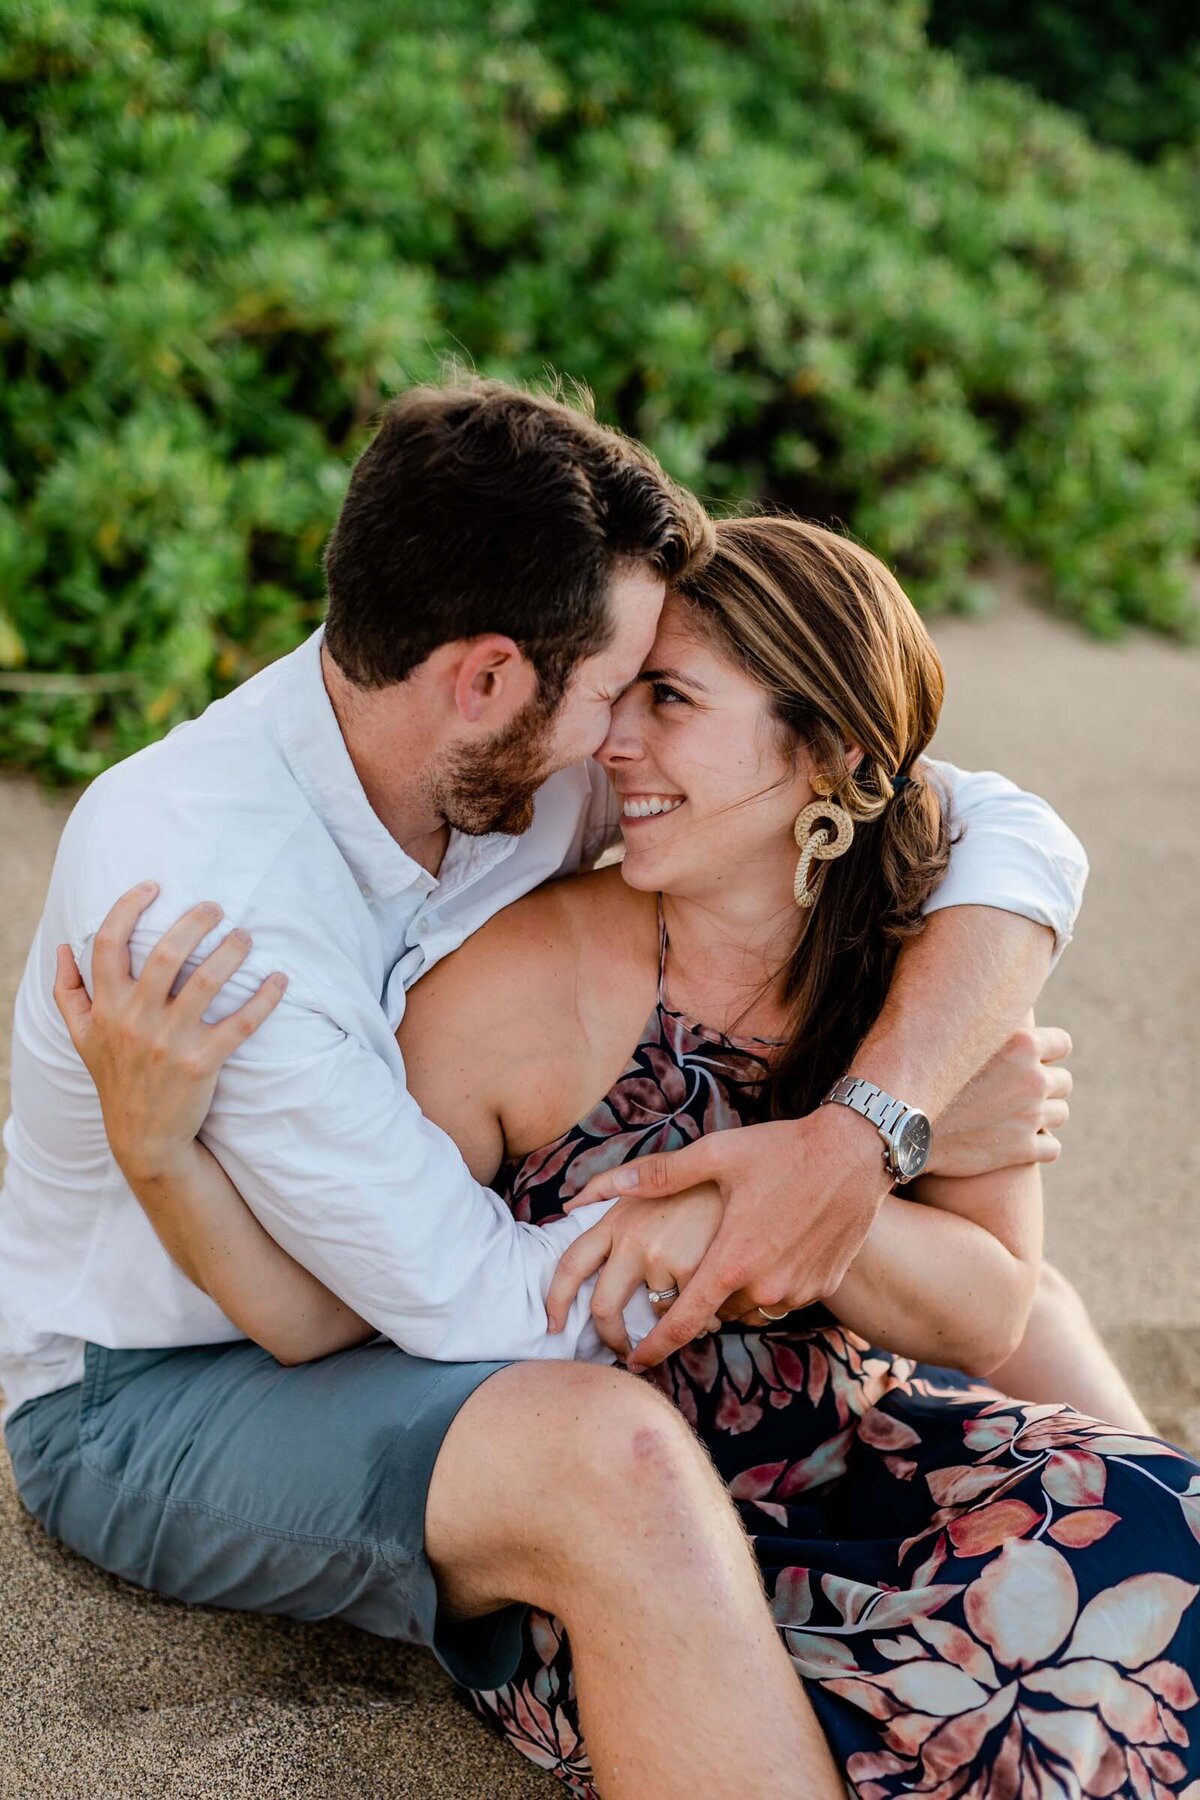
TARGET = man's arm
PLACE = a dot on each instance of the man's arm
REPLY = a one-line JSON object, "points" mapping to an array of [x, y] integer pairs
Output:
{"points": [[959, 991], [1002, 914]]}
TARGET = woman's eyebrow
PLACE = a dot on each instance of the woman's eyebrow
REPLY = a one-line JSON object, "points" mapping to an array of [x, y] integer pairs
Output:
{"points": [[675, 675]]}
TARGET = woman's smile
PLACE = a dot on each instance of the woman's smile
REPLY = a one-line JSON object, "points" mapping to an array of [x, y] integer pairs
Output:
{"points": [[648, 806]]}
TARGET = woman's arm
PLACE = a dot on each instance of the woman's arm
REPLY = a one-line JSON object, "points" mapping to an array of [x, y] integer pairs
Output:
{"points": [[949, 1270], [946, 1278], [152, 1115], [947, 1274], [210, 1233]]}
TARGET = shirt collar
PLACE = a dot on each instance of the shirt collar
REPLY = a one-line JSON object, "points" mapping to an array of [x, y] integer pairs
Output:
{"points": [[316, 752]]}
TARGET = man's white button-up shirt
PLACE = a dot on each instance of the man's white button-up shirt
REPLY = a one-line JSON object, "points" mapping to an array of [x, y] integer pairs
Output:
{"points": [[256, 805]]}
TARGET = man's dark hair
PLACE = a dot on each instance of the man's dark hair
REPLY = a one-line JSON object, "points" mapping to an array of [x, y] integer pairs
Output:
{"points": [[480, 507]]}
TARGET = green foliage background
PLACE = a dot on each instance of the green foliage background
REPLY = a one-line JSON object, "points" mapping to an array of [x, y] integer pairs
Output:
{"points": [[1131, 68], [788, 242]]}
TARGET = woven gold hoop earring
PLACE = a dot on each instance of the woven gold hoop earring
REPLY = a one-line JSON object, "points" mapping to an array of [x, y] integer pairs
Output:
{"points": [[816, 845]]}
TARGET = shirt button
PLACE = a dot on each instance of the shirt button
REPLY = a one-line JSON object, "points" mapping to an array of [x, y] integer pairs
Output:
{"points": [[423, 922]]}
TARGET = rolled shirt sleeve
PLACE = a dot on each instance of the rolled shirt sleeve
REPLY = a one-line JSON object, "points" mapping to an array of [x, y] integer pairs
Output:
{"points": [[1011, 851]]}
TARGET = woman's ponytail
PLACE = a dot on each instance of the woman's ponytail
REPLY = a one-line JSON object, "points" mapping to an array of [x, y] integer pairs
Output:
{"points": [[856, 683]]}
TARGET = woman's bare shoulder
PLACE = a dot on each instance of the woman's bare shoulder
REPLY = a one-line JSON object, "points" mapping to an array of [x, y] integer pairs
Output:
{"points": [[536, 1013], [580, 930], [522, 961]]}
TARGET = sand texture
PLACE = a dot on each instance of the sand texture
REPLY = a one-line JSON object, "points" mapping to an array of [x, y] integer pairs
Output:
{"points": [[107, 1693]]}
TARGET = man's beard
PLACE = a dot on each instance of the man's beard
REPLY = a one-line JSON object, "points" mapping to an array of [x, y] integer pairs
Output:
{"points": [[493, 788]]}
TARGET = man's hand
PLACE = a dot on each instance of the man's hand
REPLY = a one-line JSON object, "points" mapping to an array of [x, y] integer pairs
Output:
{"points": [[153, 1060], [1010, 1112], [799, 1198]]}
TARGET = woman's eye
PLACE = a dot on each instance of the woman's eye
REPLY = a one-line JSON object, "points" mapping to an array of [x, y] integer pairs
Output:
{"points": [[666, 696]]}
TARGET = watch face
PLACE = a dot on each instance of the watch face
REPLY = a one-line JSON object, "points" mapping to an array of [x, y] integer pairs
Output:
{"points": [[910, 1151]]}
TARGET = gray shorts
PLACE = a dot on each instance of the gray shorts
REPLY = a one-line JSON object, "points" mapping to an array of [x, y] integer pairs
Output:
{"points": [[219, 1477]]}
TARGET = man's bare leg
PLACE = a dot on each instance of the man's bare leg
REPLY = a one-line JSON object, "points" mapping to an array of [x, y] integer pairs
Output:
{"points": [[582, 1491], [1061, 1358]]}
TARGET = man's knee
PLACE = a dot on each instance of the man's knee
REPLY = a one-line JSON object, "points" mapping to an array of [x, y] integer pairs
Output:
{"points": [[564, 1434], [543, 1458]]}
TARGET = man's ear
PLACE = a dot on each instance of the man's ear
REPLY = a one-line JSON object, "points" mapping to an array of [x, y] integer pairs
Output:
{"points": [[493, 680]]}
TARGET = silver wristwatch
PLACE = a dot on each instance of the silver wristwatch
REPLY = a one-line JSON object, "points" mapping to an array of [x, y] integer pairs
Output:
{"points": [[906, 1132]]}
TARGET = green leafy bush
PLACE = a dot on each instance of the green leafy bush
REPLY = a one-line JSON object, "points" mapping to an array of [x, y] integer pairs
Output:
{"points": [[1131, 70], [785, 241]]}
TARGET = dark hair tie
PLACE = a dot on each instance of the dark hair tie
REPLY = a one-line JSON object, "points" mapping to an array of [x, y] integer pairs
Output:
{"points": [[901, 781]]}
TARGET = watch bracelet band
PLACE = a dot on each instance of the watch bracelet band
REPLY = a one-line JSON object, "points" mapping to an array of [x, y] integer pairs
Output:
{"points": [[882, 1109]]}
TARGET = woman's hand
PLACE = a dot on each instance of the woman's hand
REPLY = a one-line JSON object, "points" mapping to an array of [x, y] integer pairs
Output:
{"points": [[153, 1060], [1009, 1114], [659, 1242]]}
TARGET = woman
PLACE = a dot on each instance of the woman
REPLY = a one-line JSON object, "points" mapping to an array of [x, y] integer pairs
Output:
{"points": [[981, 1596]]}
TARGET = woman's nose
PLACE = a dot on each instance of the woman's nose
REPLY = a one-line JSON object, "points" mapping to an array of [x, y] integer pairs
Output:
{"points": [[624, 740]]}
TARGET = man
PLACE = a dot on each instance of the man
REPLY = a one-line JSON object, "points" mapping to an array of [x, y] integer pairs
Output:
{"points": [[495, 579]]}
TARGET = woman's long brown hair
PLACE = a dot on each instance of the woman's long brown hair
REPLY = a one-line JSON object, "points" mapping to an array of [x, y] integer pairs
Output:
{"points": [[827, 631]]}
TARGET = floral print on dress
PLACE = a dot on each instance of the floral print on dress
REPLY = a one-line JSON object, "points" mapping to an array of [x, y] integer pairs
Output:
{"points": [[984, 1599]]}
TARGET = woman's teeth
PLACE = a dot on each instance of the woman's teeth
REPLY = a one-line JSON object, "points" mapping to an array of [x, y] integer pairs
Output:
{"points": [[644, 809]]}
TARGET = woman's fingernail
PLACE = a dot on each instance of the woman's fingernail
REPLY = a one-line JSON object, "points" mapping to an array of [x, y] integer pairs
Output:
{"points": [[279, 978], [626, 1178], [147, 887], [239, 936]]}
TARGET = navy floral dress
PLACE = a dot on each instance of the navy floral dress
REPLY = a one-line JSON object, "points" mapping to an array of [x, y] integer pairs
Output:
{"points": [[985, 1599]]}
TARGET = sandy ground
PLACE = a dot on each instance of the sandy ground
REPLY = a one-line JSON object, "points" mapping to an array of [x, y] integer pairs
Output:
{"points": [[110, 1694]]}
